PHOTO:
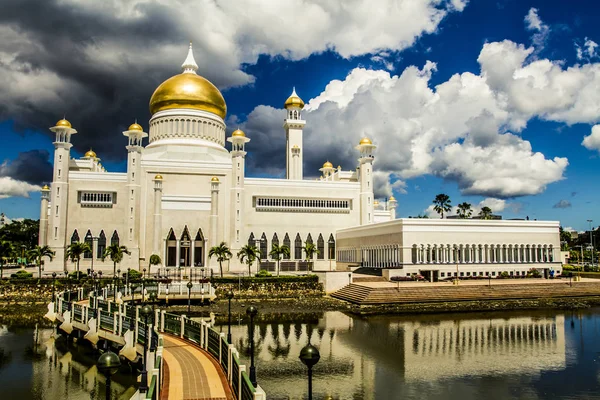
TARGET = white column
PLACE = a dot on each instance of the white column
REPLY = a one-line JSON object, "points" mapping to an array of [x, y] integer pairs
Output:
{"points": [[157, 216], [43, 233], [177, 254]]}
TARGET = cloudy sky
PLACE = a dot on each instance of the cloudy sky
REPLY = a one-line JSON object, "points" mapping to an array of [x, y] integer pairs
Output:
{"points": [[495, 103]]}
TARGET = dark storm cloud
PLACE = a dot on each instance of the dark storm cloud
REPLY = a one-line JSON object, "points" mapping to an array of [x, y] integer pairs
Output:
{"points": [[562, 204], [99, 98], [31, 166]]}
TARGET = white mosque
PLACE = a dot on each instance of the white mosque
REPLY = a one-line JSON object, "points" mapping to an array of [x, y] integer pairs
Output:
{"points": [[184, 192]]}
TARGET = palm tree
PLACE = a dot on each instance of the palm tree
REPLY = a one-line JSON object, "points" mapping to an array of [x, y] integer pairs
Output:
{"points": [[154, 260], [310, 249], [277, 252], [485, 213], [74, 252], [116, 254], [39, 252], [442, 204], [6, 251], [464, 210], [248, 254], [222, 253]]}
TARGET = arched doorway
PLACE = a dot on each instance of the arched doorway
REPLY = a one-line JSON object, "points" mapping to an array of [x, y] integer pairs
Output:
{"points": [[199, 249], [185, 252], [171, 249]]}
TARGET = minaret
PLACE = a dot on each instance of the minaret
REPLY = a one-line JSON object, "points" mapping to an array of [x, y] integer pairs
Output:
{"points": [[156, 242], [135, 134], [327, 170], [293, 125], [238, 141], [214, 212], [45, 198], [366, 148], [392, 204], [57, 237]]}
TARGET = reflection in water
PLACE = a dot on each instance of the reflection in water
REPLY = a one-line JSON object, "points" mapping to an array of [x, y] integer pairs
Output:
{"points": [[41, 366], [496, 356]]}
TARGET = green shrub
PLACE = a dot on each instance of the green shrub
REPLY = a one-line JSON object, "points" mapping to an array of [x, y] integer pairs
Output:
{"points": [[504, 275], [22, 274], [73, 275], [534, 273], [133, 274], [263, 273], [267, 279]]}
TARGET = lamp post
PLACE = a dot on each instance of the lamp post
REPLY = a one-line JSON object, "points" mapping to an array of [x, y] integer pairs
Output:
{"points": [[309, 355], [108, 364], [53, 286], [330, 243], [189, 286], [591, 241], [23, 255], [349, 278], [143, 289], [252, 311], [229, 297], [133, 286], [94, 239], [146, 312]]}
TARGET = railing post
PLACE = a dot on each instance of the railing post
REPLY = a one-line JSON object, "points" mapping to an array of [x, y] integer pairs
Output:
{"points": [[98, 312], [182, 330], [241, 369], [221, 337], [202, 333], [162, 320], [120, 319], [115, 322], [230, 350], [156, 317], [137, 320]]}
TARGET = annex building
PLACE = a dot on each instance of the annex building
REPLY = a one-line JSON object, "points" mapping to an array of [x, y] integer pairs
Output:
{"points": [[184, 192]]}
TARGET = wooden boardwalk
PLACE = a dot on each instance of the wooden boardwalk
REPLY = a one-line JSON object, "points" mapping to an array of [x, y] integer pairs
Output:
{"points": [[191, 374]]}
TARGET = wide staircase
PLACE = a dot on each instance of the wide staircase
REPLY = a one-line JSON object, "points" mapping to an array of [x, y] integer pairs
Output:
{"points": [[364, 295]]}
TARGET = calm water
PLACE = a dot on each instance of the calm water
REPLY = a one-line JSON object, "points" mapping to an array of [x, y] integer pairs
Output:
{"points": [[534, 355], [37, 364]]}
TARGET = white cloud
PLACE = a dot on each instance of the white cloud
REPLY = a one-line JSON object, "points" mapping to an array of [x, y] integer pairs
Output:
{"points": [[586, 52], [542, 31], [13, 188], [592, 141], [496, 205]]}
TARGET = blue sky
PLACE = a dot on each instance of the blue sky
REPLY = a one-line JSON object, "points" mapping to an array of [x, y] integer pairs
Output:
{"points": [[421, 153]]}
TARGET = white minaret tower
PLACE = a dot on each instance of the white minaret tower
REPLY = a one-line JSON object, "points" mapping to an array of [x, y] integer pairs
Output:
{"points": [[59, 197], [156, 242], [214, 238], [392, 204], [45, 199], [365, 172], [135, 134], [293, 125], [238, 141]]}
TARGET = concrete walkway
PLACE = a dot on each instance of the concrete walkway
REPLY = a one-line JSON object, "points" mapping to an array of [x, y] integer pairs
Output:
{"points": [[474, 282], [190, 373]]}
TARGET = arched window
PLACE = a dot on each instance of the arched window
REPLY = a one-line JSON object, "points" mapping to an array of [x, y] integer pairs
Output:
{"points": [[114, 239], [171, 249], [331, 247], [286, 242], [275, 240], [90, 242], [263, 247], [75, 237], [199, 249], [298, 247], [185, 244], [320, 248], [251, 240], [101, 245]]}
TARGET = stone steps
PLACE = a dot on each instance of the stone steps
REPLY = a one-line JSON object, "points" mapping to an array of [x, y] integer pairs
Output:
{"points": [[358, 294]]}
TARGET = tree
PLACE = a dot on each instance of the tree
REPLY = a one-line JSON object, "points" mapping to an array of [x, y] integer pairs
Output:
{"points": [[25, 232], [485, 213], [248, 254], [154, 260], [465, 210], [74, 252], [565, 239], [222, 253], [277, 252], [442, 204], [39, 252], [310, 249], [6, 252], [116, 254]]}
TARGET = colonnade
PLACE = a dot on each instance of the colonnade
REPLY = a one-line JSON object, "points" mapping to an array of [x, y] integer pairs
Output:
{"points": [[382, 256], [481, 253]]}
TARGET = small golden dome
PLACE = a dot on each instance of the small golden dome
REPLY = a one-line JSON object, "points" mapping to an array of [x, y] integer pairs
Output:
{"points": [[365, 140], [90, 154], [45, 187], [158, 177], [238, 133], [392, 198], [376, 202], [293, 101], [63, 123], [188, 90], [327, 165], [214, 179], [135, 127]]}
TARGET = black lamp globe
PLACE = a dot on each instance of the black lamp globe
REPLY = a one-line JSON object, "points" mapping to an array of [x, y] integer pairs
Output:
{"points": [[146, 310], [252, 311], [309, 355], [190, 284], [109, 363], [230, 294]]}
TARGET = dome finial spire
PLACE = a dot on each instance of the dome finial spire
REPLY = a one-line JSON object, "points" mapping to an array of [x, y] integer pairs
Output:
{"points": [[189, 66]]}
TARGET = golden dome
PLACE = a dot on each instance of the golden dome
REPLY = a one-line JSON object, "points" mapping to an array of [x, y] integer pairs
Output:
{"points": [[63, 123], [294, 101], [238, 133], [135, 127], [45, 187], [214, 179], [90, 154], [365, 140], [327, 165], [376, 202], [392, 198], [158, 177], [188, 90]]}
